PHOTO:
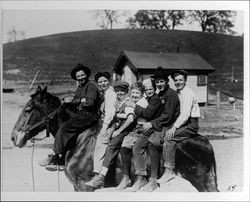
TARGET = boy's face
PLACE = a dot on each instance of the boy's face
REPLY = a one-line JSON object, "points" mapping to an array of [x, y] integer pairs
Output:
{"points": [[136, 94], [103, 83], [149, 90], [121, 93], [160, 84], [179, 82]]}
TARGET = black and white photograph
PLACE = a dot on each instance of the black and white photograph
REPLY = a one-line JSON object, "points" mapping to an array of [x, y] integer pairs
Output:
{"points": [[125, 100]]}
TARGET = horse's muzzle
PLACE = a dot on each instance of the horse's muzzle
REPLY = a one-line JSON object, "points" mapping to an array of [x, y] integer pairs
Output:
{"points": [[18, 138]]}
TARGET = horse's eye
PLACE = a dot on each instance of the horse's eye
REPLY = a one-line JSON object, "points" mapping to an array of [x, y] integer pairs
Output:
{"points": [[28, 109]]}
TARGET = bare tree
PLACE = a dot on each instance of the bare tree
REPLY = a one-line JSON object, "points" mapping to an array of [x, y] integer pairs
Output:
{"points": [[107, 18], [214, 20], [14, 35]]}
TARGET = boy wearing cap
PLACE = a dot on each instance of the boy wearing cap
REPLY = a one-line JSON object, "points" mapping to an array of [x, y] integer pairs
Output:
{"points": [[87, 98], [184, 127], [165, 118], [143, 113], [120, 127]]}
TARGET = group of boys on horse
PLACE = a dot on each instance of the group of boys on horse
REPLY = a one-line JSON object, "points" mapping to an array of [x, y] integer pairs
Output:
{"points": [[146, 116]]}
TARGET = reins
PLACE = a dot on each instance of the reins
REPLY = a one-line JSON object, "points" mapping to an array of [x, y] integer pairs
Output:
{"points": [[40, 123], [33, 127]]}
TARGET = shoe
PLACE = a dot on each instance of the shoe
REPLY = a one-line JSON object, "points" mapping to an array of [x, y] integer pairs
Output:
{"points": [[48, 160], [150, 186], [125, 182], [55, 167], [167, 176], [139, 182], [96, 182], [56, 164]]}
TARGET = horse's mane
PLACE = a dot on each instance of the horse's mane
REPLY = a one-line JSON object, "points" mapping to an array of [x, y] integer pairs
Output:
{"points": [[52, 100]]}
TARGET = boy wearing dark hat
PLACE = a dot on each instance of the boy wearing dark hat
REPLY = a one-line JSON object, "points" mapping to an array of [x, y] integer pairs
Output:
{"points": [[87, 98], [184, 127], [168, 113]]}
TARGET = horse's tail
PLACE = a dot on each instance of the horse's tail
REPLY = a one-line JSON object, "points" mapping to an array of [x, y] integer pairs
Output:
{"points": [[200, 166], [212, 167], [210, 164]]}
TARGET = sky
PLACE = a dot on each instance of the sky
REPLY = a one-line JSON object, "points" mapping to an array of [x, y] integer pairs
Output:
{"points": [[59, 19]]}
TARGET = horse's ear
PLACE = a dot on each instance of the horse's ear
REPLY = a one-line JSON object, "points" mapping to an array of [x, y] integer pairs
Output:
{"points": [[44, 91]]}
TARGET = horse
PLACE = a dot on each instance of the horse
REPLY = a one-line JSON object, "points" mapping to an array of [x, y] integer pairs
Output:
{"points": [[195, 160]]}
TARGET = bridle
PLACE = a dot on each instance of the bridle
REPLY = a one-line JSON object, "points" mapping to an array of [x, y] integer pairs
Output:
{"points": [[45, 122]]}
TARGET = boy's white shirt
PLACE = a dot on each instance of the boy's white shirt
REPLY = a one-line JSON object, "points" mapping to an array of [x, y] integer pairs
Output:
{"points": [[188, 106]]}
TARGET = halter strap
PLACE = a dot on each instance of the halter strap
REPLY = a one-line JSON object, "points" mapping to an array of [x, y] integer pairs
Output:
{"points": [[40, 123]]}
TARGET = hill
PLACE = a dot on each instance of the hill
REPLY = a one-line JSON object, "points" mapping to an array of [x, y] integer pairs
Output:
{"points": [[55, 55]]}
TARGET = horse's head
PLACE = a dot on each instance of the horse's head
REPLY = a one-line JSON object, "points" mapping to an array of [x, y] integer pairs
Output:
{"points": [[37, 108]]}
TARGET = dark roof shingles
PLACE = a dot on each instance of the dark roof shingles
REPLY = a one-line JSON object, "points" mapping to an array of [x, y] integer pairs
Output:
{"points": [[147, 60]]}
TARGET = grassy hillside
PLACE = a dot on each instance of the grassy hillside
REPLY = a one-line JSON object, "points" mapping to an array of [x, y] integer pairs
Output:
{"points": [[55, 55]]}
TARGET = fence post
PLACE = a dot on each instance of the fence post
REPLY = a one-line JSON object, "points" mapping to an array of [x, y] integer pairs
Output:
{"points": [[31, 85], [218, 99]]}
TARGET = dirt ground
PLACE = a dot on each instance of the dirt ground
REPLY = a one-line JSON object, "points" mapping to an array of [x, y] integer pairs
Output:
{"points": [[224, 128]]}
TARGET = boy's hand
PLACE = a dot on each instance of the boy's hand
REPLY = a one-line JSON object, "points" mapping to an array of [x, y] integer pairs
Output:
{"points": [[83, 100], [170, 133], [67, 99], [116, 133], [146, 126], [129, 103]]}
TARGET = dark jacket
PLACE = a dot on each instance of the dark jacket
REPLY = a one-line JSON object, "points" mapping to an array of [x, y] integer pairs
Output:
{"points": [[169, 110], [154, 104], [91, 93]]}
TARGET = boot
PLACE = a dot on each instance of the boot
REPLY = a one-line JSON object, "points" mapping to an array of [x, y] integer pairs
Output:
{"points": [[139, 182], [48, 160], [58, 163], [150, 186], [96, 182], [125, 182]]}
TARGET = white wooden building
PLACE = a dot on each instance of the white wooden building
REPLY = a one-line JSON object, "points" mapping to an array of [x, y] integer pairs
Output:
{"points": [[132, 66]]}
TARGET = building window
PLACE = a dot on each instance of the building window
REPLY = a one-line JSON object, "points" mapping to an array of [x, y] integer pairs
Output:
{"points": [[201, 80]]}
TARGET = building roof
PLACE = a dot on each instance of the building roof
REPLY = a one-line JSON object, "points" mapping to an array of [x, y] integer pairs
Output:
{"points": [[150, 60]]}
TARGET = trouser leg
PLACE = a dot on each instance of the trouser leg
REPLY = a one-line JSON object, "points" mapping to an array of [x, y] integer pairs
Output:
{"points": [[99, 153], [113, 149], [139, 153], [169, 150], [126, 155], [154, 153], [71, 129], [169, 146]]}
